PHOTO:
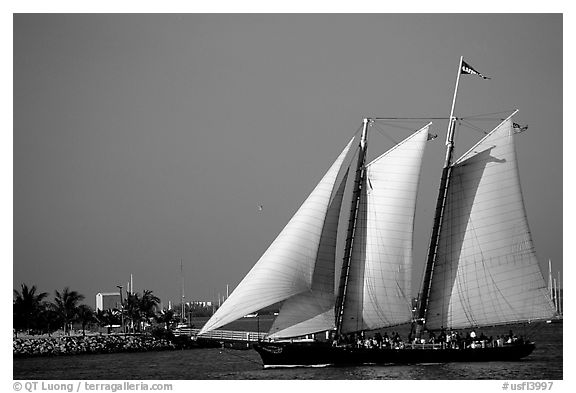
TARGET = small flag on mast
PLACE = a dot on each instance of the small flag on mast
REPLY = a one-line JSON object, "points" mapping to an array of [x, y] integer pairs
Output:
{"points": [[518, 128], [467, 69]]}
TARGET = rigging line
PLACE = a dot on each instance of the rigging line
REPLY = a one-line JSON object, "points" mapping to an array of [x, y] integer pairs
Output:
{"points": [[352, 153], [411, 129], [487, 114], [411, 118], [358, 130], [378, 128], [486, 118], [402, 127], [472, 126], [408, 118]]}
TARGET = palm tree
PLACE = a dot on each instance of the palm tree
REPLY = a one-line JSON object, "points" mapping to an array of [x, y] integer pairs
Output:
{"points": [[85, 315], [27, 306], [49, 318], [66, 304], [166, 317], [107, 318], [132, 309], [148, 305], [140, 308]]}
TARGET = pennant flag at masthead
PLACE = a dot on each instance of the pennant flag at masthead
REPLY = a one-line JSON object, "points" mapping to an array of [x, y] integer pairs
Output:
{"points": [[467, 69]]}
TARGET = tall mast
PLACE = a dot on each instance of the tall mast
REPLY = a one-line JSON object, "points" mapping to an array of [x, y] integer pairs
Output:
{"points": [[182, 306], [440, 204], [550, 278], [555, 299], [358, 182], [560, 294]]}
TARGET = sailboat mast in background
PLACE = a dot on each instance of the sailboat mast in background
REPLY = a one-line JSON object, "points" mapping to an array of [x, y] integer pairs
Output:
{"points": [[559, 307], [550, 279], [182, 306], [554, 287]]}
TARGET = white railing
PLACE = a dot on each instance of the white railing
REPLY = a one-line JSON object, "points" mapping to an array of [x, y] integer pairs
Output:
{"points": [[233, 335]]}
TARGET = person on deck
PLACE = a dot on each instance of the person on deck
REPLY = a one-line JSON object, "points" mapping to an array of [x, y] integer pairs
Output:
{"points": [[510, 337], [378, 338], [442, 337], [448, 340], [386, 340]]}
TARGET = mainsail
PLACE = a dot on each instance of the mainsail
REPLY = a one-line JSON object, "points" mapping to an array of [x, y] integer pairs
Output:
{"points": [[486, 271], [299, 263], [379, 290]]}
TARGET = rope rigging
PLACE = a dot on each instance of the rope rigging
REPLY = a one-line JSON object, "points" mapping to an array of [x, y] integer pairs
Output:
{"points": [[463, 122]]}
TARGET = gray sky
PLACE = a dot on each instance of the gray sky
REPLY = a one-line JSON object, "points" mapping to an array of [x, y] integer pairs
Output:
{"points": [[140, 140]]}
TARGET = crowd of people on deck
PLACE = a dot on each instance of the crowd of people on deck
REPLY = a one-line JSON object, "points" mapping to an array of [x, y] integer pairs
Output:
{"points": [[446, 339]]}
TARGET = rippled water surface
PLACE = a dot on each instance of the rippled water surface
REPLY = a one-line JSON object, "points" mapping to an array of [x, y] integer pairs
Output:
{"points": [[198, 364]]}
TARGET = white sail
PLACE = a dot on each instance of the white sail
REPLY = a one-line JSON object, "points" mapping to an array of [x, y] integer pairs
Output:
{"points": [[313, 311], [379, 284], [486, 271], [288, 266]]}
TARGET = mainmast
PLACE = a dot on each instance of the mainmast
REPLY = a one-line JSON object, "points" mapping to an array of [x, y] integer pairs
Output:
{"points": [[440, 204], [550, 279], [182, 305], [358, 183]]}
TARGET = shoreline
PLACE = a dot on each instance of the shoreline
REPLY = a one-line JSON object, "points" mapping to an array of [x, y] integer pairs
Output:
{"points": [[30, 346]]}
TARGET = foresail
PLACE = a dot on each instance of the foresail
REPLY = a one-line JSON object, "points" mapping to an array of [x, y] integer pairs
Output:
{"points": [[289, 265], [379, 281], [313, 311], [486, 271]]}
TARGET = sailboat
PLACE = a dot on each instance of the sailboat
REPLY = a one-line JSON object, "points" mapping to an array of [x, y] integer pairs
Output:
{"points": [[481, 267], [555, 295]]}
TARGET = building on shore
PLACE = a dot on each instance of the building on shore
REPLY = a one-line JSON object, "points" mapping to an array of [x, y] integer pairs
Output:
{"points": [[108, 300]]}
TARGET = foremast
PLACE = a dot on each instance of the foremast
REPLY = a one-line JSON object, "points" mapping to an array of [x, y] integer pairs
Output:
{"points": [[358, 184], [439, 212]]}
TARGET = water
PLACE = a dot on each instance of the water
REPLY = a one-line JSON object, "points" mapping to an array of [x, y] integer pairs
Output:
{"points": [[545, 362]]}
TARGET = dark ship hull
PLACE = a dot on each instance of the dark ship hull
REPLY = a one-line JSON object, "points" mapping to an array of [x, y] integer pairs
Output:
{"points": [[319, 354]]}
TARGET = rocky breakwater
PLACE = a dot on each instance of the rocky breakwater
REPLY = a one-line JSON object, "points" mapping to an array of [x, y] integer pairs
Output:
{"points": [[73, 345]]}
